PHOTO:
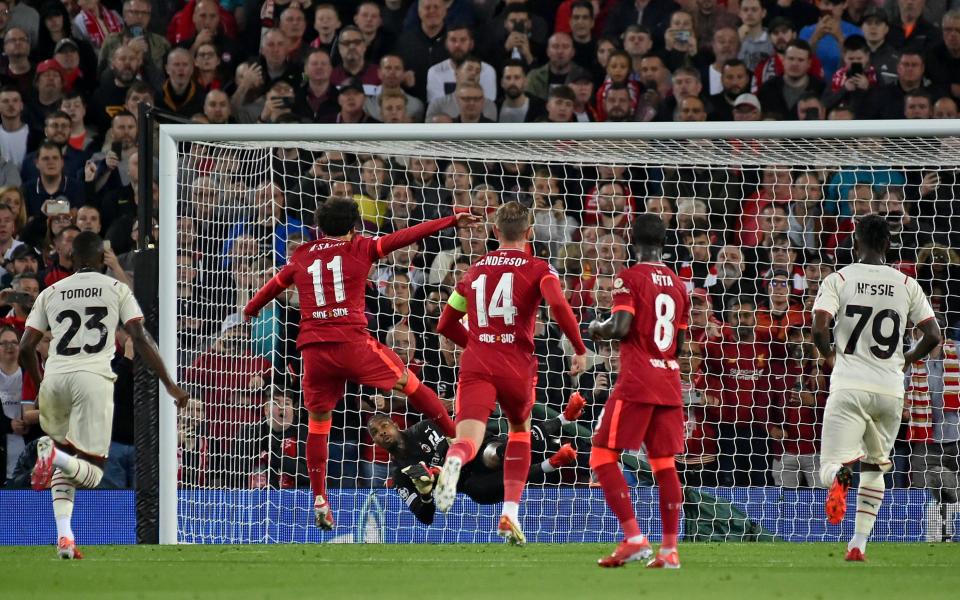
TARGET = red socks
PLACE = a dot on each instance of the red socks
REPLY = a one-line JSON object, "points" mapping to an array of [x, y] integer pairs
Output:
{"points": [[465, 450], [318, 434], [426, 401], [606, 465], [671, 498], [516, 465]]}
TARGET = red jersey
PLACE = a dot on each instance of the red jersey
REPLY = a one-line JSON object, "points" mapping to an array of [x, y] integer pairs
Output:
{"points": [[331, 277], [503, 292], [659, 303], [738, 374]]}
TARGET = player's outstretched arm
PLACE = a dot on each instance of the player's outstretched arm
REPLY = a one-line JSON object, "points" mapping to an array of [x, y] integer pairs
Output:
{"points": [[450, 325], [28, 354], [566, 320], [266, 294], [410, 235], [147, 348], [931, 337]]}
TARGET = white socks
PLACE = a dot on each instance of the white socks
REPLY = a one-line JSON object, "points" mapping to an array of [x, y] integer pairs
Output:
{"points": [[512, 510], [82, 473], [827, 473], [869, 499], [638, 539], [63, 492], [546, 467]]}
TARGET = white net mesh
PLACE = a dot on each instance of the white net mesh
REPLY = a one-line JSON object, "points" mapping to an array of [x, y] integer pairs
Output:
{"points": [[754, 226]]}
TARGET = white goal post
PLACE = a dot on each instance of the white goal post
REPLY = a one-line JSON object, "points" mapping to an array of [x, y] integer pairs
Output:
{"points": [[672, 150]]}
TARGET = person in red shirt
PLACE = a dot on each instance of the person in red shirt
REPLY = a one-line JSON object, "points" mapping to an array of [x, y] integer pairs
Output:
{"points": [[501, 294], [736, 391], [645, 407], [331, 277]]}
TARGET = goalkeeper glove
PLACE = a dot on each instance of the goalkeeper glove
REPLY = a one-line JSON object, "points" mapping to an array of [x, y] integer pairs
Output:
{"points": [[422, 476]]}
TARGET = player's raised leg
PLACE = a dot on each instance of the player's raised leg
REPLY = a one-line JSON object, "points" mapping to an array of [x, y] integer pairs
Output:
{"points": [[605, 463], [425, 400], [842, 446], [66, 474], [462, 450]]}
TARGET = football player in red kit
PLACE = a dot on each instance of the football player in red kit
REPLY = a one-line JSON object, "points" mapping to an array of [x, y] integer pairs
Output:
{"points": [[331, 275], [650, 314], [501, 294]]}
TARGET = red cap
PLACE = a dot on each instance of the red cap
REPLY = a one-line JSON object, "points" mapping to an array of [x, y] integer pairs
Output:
{"points": [[49, 65]]}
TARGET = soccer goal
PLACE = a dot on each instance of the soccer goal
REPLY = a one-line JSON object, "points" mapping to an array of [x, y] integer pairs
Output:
{"points": [[757, 213]]}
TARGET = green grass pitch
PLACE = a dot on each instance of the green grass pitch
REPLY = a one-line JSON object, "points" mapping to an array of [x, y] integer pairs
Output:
{"points": [[541, 571]]}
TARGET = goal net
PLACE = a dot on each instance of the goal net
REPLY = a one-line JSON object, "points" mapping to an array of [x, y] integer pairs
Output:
{"points": [[755, 223]]}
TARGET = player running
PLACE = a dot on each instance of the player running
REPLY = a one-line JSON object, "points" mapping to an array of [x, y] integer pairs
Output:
{"points": [[870, 304], [417, 452], [650, 314], [331, 276], [76, 388], [501, 293]]}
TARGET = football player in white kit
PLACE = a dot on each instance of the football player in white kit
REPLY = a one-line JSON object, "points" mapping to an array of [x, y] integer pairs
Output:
{"points": [[871, 305], [76, 388]]}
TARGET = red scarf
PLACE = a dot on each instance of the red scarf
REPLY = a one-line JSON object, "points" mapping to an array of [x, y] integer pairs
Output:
{"points": [[98, 34], [951, 376], [917, 401]]}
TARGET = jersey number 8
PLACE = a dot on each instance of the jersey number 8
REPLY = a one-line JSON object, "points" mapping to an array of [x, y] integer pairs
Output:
{"points": [[663, 330]]}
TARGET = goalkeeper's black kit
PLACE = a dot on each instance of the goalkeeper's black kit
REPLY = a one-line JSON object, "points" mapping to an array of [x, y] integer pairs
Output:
{"points": [[425, 442]]}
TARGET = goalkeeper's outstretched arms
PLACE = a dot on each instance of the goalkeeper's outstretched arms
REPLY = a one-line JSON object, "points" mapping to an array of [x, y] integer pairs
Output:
{"points": [[415, 484]]}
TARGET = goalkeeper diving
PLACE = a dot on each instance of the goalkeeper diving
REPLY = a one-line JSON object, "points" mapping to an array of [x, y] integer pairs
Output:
{"points": [[417, 453]]}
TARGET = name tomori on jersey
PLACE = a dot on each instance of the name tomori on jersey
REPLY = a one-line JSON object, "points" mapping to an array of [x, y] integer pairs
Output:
{"points": [[94, 292]]}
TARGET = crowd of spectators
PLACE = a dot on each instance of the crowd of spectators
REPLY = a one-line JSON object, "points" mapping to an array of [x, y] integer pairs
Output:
{"points": [[752, 244]]}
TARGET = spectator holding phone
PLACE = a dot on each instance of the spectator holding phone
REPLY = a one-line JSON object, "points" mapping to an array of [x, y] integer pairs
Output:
{"points": [[851, 83], [52, 182], [136, 29], [827, 36], [23, 291], [279, 101], [111, 171]]}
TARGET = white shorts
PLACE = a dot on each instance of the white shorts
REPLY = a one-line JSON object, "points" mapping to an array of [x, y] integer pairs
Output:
{"points": [[77, 409], [860, 425]]}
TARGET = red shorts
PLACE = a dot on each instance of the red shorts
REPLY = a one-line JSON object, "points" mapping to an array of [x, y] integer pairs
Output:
{"points": [[477, 394], [328, 366], [628, 425]]}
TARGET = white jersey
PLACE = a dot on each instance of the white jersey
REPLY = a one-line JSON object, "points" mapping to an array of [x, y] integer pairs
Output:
{"points": [[871, 305], [83, 312]]}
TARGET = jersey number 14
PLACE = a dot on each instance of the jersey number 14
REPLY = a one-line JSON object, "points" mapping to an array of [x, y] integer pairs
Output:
{"points": [[501, 303]]}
